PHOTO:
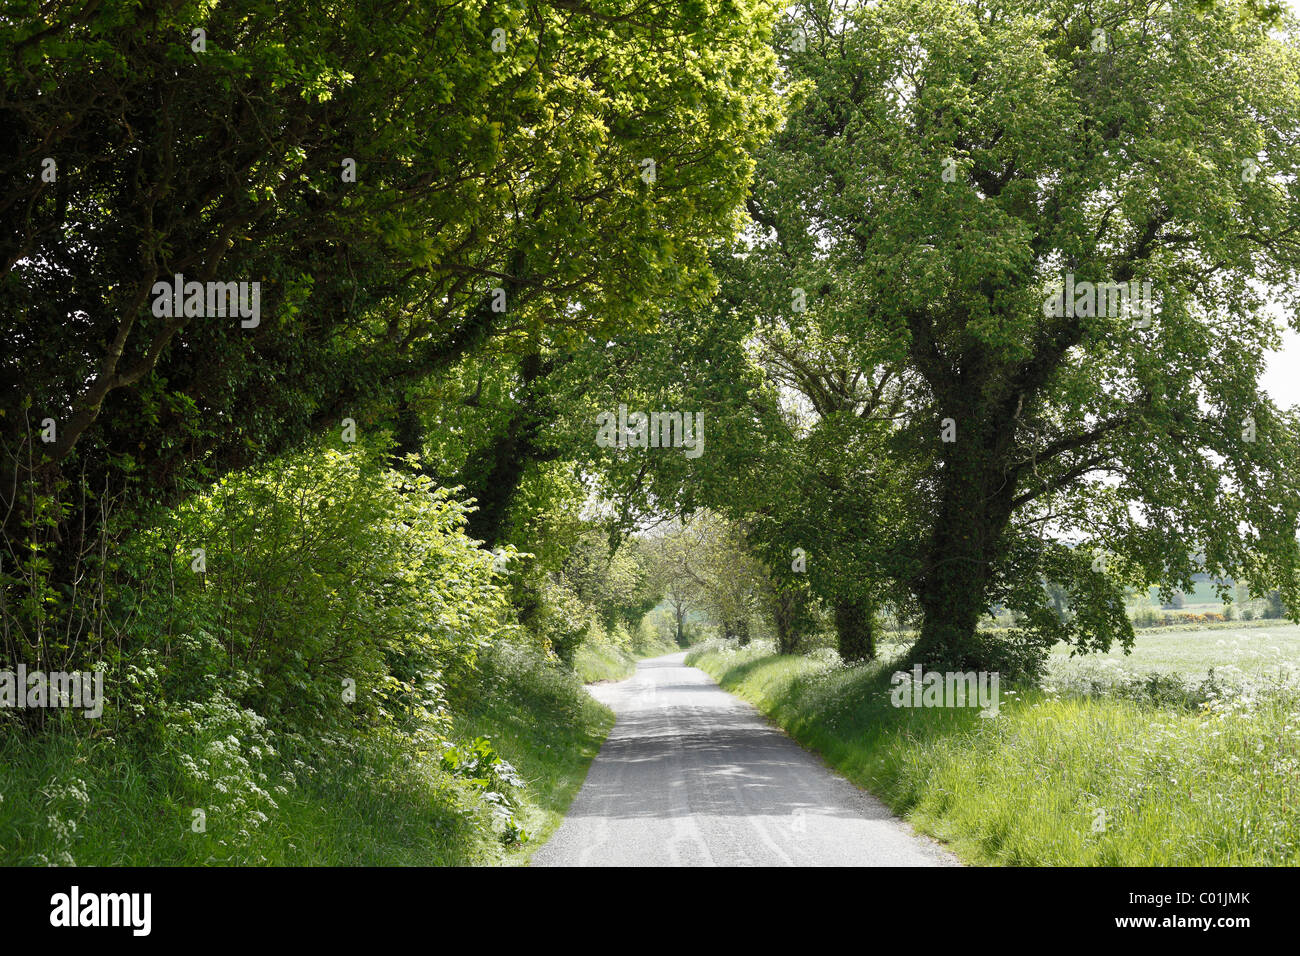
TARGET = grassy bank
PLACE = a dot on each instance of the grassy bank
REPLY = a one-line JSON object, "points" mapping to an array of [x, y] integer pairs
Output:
{"points": [[548, 727], [594, 663], [78, 796], [1057, 778], [598, 661]]}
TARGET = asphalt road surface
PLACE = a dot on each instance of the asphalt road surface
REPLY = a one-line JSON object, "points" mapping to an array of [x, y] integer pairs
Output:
{"points": [[692, 776]]}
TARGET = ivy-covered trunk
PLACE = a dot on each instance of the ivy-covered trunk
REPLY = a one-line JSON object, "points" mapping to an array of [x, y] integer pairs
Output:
{"points": [[964, 550], [737, 628], [855, 626], [493, 474], [951, 610], [785, 614]]}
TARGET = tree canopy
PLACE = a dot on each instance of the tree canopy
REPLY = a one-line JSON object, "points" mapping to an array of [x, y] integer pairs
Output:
{"points": [[970, 300], [915, 221]]}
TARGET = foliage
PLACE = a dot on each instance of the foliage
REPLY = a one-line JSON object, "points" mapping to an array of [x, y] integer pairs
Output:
{"points": [[493, 777], [707, 563], [480, 165], [927, 217], [370, 800], [334, 636], [338, 613]]}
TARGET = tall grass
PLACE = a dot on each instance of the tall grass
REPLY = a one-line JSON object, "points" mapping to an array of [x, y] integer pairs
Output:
{"points": [[543, 721], [594, 662], [81, 797], [1056, 779]]}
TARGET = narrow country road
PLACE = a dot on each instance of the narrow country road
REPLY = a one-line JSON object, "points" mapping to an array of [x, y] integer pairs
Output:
{"points": [[692, 776]]}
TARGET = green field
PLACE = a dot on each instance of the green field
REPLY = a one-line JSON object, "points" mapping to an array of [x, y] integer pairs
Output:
{"points": [[1269, 652]]}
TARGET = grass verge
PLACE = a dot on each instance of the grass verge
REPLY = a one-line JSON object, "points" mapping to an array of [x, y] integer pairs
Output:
{"points": [[548, 727], [1054, 780], [77, 795], [594, 663], [597, 661]]}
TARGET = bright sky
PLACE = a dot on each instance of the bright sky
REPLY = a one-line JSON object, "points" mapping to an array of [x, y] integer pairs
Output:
{"points": [[1282, 380]]}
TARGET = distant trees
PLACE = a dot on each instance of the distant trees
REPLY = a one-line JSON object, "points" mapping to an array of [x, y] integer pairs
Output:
{"points": [[667, 551], [704, 563]]}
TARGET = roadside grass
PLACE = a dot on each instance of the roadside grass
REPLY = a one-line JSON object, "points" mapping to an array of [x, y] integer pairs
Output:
{"points": [[1055, 779], [79, 796], [546, 725], [594, 663], [83, 800], [597, 661]]}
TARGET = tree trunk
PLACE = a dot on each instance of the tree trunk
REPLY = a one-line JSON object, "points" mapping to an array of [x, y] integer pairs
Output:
{"points": [[951, 609], [492, 476], [963, 551], [737, 628], [408, 437], [855, 626], [785, 613]]}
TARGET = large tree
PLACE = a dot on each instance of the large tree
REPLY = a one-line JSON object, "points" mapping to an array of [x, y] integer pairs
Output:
{"points": [[934, 192]]}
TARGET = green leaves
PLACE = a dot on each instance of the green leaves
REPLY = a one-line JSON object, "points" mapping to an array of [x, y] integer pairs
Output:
{"points": [[927, 194], [478, 168], [496, 780]]}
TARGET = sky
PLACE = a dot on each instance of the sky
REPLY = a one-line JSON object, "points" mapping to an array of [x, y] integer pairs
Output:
{"points": [[1282, 380]]}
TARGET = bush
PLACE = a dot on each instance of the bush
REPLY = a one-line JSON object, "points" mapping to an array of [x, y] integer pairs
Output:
{"points": [[343, 590], [1147, 617], [1273, 606], [1015, 655], [305, 658], [493, 777], [558, 620]]}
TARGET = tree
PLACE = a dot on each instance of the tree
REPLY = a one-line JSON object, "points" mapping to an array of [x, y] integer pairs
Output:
{"points": [[706, 561], [405, 183], [666, 553], [950, 184]]}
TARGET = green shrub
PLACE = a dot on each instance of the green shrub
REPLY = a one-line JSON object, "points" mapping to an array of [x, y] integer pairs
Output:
{"points": [[345, 590], [493, 777], [301, 696]]}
